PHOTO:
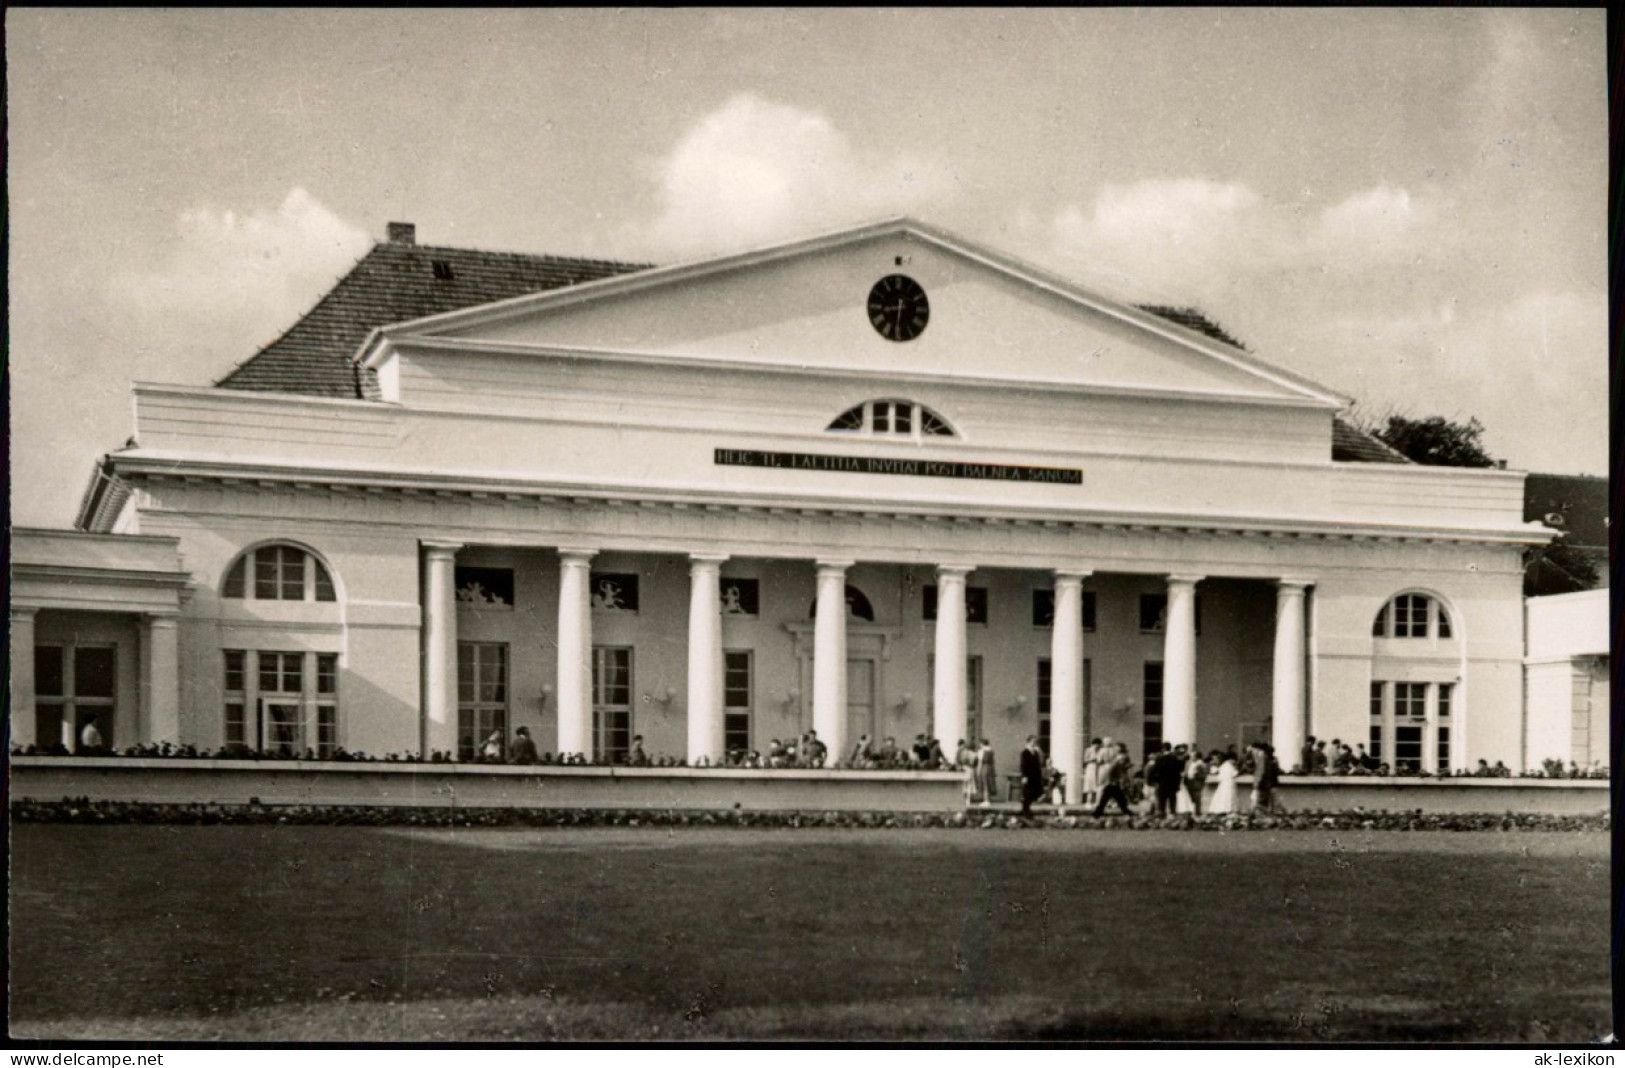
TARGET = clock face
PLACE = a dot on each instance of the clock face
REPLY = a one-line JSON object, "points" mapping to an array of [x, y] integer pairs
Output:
{"points": [[898, 309]]}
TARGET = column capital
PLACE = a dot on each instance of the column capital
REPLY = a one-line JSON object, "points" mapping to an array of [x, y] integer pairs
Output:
{"points": [[1069, 575], [706, 560], [23, 613], [953, 571], [440, 548], [1293, 585], [834, 566], [1185, 580], [572, 555], [162, 620]]}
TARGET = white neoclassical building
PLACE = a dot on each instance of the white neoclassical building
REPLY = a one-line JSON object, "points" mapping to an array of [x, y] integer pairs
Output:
{"points": [[882, 482]]}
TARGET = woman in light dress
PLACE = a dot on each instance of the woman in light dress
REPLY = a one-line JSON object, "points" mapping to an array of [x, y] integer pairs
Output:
{"points": [[987, 773], [1224, 798], [1091, 772], [1182, 799]]}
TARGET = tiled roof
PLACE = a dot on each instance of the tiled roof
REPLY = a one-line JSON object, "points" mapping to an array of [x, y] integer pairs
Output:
{"points": [[1574, 504], [1350, 444], [395, 282], [1192, 319]]}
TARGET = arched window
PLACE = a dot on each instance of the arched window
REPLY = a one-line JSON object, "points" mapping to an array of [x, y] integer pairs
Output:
{"points": [[892, 417], [857, 606], [1412, 615], [278, 573]]}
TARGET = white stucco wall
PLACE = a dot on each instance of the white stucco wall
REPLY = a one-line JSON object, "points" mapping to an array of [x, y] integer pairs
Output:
{"points": [[1567, 674]]}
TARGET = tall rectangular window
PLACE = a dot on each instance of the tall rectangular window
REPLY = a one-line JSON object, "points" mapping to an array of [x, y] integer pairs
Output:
{"points": [[611, 703], [737, 691], [1442, 748], [281, 677], [973, 697], [1044, 608], [282, 673], [327, 709], [1374, 739], [1154, 613], [1045, 682], [236, 694], [74, 686], [482, 695], [1410, 720], [282, 703], [1151, 701]]}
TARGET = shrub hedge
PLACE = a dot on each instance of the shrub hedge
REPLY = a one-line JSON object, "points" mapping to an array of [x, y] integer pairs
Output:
{"points": [[83, 810]]}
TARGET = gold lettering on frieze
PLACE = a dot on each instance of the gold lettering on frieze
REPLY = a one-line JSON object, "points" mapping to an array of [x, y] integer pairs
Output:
{"points": [[880, 465]]}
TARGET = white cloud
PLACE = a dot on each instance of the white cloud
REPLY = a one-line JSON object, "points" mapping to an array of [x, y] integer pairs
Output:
{"points": [[1369, 295], [1195, 240], [1377, 225], [1528, 369], [233, 281], [755, 171]]}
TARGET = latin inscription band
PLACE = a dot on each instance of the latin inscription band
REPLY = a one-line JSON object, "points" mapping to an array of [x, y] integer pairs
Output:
{"points": [[878, 465]]}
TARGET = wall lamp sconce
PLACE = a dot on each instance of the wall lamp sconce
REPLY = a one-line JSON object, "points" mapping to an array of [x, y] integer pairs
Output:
{"points": [[1020, 703], [790, 698], [547, 692], [904, 701], [664, 699]]}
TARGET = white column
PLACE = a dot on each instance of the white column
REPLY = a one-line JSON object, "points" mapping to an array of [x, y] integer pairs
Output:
{"points": [[575, 651], [439, 647], [160, 680], [705, 733], [829, 658], [1287, 707], [22, 678], [1066, 683], [948, 687], [1178, 661]]}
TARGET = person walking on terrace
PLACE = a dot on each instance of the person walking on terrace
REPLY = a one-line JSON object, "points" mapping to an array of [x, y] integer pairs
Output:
{"points": [[1032, 774], [1196, 771], [987, 773], [1114, 779]]}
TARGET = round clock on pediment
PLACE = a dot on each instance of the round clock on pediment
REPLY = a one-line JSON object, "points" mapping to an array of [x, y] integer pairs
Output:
{"points": [[898, 309]]}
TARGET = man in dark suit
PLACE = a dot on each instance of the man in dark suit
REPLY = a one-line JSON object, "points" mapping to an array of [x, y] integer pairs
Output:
{"points": [[1165, 774], [1032, 774]]}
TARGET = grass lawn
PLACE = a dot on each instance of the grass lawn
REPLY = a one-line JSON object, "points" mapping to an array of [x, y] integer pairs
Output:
{"points": [[312, 933]]}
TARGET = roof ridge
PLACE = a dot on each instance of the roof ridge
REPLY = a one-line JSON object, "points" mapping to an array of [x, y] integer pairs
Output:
{"points": [[326, 296], [315, 353], [547, 257]]}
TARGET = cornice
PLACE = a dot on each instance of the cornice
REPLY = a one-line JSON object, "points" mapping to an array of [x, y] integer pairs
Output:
{"points": [[597, 495], [104, 576], [466, 346]]}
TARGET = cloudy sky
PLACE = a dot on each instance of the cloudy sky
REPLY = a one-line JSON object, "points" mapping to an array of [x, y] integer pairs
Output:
{"points": [[1406, 205]]}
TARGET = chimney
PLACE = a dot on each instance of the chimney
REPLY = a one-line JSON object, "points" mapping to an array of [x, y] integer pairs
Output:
{"points": [[403, 233]]}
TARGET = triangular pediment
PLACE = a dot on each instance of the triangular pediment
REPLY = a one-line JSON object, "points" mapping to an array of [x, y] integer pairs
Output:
{"points": [[806, 305]]}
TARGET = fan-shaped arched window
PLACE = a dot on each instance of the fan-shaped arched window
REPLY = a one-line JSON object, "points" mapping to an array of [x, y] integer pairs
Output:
{"points": [[857, 606], [892, 417], [1412, 615], [278, 573]]}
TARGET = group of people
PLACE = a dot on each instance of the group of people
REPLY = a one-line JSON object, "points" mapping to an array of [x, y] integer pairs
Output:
{"points": [[1173, 778], [1317, 759]]}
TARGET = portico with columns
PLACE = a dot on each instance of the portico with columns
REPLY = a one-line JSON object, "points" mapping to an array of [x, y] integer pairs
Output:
{"points": [[798, 656], [719, 504]]}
